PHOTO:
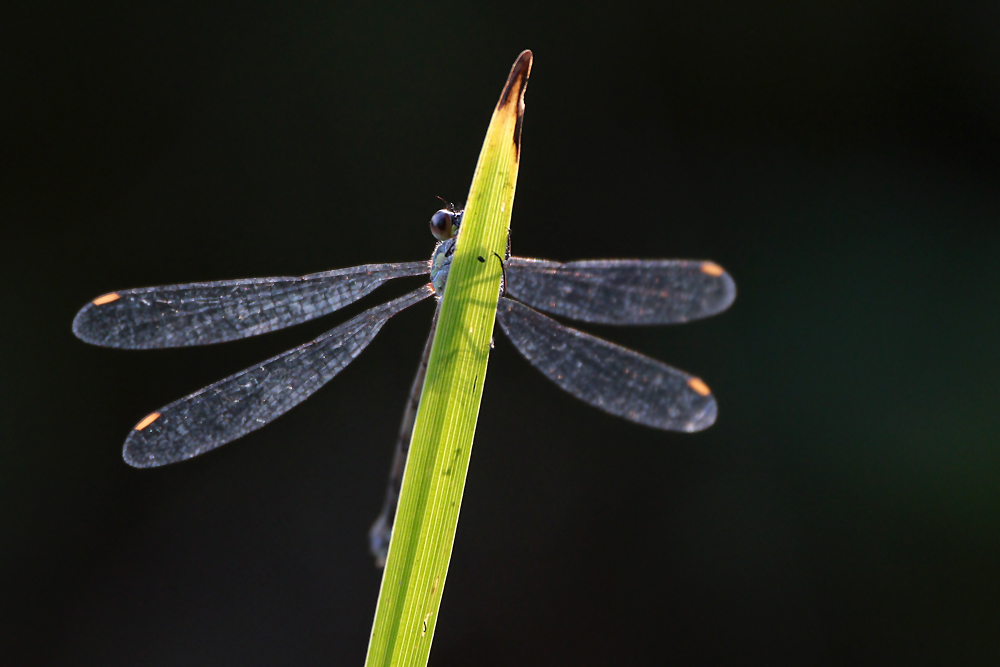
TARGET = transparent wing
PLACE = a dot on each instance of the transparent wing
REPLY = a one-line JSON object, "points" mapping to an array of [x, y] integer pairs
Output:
{"points": [[203, 313], [244, 402], [608, 376], [622, 291]]}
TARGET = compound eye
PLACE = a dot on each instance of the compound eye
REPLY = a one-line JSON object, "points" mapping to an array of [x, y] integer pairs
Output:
{"points": [[442, 224]]}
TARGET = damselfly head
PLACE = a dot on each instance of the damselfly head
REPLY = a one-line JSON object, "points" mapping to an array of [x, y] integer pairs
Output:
{"points": [[445, 223]]}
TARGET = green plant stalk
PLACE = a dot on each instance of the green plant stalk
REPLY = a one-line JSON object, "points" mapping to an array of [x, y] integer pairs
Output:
{"points": [[441, 444]]}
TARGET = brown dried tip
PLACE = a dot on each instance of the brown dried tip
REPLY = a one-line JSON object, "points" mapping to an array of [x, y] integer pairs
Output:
{"points": [[513, 92], [516, 80]]}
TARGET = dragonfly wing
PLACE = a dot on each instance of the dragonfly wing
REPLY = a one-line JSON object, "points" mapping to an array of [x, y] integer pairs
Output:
{"points": [[244, 402], [608, 376], [203, 313], [622, 291]]}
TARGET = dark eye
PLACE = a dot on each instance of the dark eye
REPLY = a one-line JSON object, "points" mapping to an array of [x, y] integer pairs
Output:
{"points": [[442, 224]]}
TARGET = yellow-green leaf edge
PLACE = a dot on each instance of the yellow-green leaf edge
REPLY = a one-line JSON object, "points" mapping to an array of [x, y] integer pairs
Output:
{"points": [[441, 445]]}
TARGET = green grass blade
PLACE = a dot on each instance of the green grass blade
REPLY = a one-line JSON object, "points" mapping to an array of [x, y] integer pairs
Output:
{"points": [[441, 445]]}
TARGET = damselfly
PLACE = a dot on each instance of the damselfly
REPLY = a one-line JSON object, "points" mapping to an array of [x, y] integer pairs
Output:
{"points": [[610, 377]]}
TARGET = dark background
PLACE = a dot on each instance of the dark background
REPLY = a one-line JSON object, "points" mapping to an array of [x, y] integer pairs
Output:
{"points": [[841, 160]]}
